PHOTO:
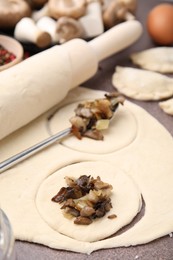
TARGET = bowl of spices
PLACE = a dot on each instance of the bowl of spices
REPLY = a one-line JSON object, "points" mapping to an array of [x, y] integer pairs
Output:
{"points": [[11, 52]]}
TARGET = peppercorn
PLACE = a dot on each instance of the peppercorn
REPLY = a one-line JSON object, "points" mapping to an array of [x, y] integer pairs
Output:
{"points": [[5, 56]]}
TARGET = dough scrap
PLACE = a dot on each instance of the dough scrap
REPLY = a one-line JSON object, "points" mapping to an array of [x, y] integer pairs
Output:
{"points": [[142, 84], [147, 161], [167, 106], [158, 59]]}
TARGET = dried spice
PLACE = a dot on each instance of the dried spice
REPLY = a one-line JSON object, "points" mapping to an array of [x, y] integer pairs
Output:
{"points": [[85, 199], [5, 56], [92, 117]]}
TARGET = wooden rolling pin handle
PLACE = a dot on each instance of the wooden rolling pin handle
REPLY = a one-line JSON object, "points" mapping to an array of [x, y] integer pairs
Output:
{"points": [[85, 56], [116, 39], [33, 86]]}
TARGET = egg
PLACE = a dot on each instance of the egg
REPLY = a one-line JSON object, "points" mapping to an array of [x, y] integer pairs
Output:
{"points": [[160, 24]]}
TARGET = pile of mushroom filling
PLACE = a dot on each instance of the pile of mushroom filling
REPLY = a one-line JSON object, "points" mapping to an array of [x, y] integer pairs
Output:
{"points": [[93, 116], [85, 199]]}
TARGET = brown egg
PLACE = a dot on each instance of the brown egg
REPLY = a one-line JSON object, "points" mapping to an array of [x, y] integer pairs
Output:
{"points": [[160, 24]]}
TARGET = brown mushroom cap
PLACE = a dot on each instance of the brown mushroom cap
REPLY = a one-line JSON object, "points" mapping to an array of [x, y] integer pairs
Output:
{"points": [[113, 13], [68, 28], [37, 3], [68, 8], [12, 11], [131, 5], [119, 11]]}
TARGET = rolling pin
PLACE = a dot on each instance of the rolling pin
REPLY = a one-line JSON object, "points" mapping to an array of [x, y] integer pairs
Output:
{"points": [[38, 83]]}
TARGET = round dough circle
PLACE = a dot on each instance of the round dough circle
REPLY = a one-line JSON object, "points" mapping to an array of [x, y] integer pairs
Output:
{"points": [[123, 188], [121, 132]]}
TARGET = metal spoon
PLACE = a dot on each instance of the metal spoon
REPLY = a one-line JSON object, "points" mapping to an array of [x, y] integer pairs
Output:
{"points": [[5, 165], [8, 163]]}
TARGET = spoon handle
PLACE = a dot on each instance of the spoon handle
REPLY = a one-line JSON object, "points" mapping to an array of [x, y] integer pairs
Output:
{"points": [[15, 159]]}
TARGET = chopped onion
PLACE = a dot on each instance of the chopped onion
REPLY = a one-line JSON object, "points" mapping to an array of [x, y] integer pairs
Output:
{"points": [[102, 124]]}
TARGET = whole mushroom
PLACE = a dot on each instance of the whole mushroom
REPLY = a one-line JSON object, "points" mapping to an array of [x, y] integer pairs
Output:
{"points": [[69, 8], [33, 34], [118, 11], [131, 5], [68, 28], [12, 11]]}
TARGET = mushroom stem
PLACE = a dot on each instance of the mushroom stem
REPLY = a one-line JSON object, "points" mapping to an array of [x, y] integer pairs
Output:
{"points": [[48, 25], [106, 3], [44, 11], [129, 16], [27, 31], [92, 22]]}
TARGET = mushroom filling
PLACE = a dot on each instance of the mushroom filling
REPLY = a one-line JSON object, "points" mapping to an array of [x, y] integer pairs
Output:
{"points": [[84, 199], [93, 116]]}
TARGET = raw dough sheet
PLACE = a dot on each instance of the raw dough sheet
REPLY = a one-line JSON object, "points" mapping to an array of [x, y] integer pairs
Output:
{"points": [[136, 148]]}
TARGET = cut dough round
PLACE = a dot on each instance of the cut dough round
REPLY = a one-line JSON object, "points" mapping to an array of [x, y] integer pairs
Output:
{"points": [[156, 59], [123, 187], [115, 137], [142, 84], [167, 106]]}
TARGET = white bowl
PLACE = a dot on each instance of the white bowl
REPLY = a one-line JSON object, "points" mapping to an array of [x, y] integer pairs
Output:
{"points": [[13, 46]]}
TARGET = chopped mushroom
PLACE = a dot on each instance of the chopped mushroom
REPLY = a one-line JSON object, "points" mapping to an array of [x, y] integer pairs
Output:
{"points": [[69, 8], [92, 117], [12, 11], [67, 193], [82, 221], [87, 211], [113, 216], [85, 199], [68, 28], [93, 134]]}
